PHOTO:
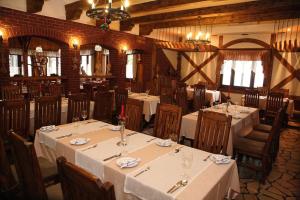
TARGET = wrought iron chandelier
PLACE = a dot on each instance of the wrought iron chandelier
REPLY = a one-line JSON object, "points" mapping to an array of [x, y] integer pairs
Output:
{"points": [[108, 13]]}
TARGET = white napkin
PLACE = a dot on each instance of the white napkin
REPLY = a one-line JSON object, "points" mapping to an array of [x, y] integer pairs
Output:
{"points": [[48, 128], [220, 159], [115, 128], [79, 141], [164, 143], [128, 162]]}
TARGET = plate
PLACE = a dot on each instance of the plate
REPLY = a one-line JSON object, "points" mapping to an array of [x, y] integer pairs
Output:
{"points": [[127, 162], [115, 128], [48, 128], [220, 159], [79, 141], [164, 143]]}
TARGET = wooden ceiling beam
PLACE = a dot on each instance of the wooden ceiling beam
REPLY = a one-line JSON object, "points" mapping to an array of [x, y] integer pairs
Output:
{"points": [[74, 10], [283, 13], [231, 8], [34, 6]]}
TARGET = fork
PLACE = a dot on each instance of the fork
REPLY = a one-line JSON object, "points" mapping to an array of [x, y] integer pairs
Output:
{"points": [[63, 136], [147, 169], [111, 157], [90, 147]]}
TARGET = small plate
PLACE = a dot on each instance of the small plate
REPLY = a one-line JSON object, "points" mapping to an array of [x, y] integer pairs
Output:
{"points": [[79, 141], [164, 143], [115, 128], [127, 162], [48, 128]]}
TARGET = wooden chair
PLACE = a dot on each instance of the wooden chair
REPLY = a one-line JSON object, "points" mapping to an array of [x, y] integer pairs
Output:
{"points": [[33, 179], [263, 91], [181, 97], [78, 184], [88, 89], [34, 90], [137, 87], [103, 106], [47, 111], [199, 97], [15, 117], [285, 92], [274, 102], [76, 104], [134, 114], [263, 151], [11, 92], [121, 96], [166, 96], [55, 89], [212, 132], [167, 121], [154, 89], [7, 181], [251, 98]]}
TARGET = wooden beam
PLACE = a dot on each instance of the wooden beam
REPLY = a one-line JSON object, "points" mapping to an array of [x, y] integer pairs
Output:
{"points": [[283, 13], [74, 10], [284, 62], [239, 8], [34, 6], [158, 4], [126, 25]]}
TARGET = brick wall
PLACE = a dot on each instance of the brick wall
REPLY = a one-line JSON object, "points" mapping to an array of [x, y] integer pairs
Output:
{"points": [[15, 23]]}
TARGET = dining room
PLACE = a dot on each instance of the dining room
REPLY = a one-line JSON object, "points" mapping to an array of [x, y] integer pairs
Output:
{"points": [[149, 99]]}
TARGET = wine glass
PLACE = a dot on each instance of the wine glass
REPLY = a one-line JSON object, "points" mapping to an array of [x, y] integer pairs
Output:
{"points": [[84, 114], [187, 162], [124, 139], [174, 137]]}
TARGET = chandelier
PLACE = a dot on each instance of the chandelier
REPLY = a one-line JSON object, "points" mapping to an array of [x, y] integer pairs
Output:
{"points": [[108, 13]]}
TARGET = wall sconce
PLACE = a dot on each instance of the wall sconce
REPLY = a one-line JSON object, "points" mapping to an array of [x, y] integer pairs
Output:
{"points": [[124, 49], [1, 36], [75, 43]]}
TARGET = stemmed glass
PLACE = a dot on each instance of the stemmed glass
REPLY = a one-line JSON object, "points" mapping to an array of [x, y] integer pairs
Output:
{"points": [[187, 162], [76, 121], [84, 114], [124, 138]]}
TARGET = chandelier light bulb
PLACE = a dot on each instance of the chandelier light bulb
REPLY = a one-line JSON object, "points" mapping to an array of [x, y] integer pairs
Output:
{"points": [[189, 35], [109, 1], [126, 3], [122, 7], [199, 35], [207, 36]]}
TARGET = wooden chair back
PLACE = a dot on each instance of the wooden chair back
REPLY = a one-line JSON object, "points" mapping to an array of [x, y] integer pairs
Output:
{"points": [[166, 96], [88, 89], [121, 96], [263, 91], [212, 132], [11, 92], [167, 121], [199, 97], [285, 92], [47, 111], [103, 106], [15, 117], [181, 98], [251, 98], [78, 184], [76, 104], [7, 180], [137, 87], [34, 90], [55, 89], [134, 114], [274, 102], [28, 169], [154, 89]]}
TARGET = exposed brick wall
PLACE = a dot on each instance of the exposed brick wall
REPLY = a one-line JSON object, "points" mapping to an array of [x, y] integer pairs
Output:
{"points": [[17, 23]]}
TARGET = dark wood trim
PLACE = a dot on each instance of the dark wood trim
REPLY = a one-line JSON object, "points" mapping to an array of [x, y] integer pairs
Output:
{"points": [[284, 62], [74, 10], [34, 6], [246, 40], [284, 82]]}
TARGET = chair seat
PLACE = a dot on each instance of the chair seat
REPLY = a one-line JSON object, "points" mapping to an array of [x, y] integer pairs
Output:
{"points": [[258, 136], [263, 127], [250, 147], [54, 192], [48, 169]]}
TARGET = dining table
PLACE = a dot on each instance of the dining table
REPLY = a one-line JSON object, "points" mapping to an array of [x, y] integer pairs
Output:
{"points": [[263, 104], [165, 172], [150, 103], [212, 96], [64, 112], [243, 120]]}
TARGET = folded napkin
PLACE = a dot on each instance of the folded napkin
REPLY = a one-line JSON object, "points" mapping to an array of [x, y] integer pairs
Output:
{"points": [[220, 159], [164, 143], [115, 128], [126, 162], [48, 128]]}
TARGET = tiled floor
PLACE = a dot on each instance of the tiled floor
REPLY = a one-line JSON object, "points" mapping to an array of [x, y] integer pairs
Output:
{"points": [[283, 183]]}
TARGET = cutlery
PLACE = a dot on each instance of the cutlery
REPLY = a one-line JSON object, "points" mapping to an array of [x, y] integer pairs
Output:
{"points": [[90, 147], [205, 159], [178, 149], [151, 139], [179, 184], [63, 136], [147, 169], [133, 133], [111, 157], [89, 122]]}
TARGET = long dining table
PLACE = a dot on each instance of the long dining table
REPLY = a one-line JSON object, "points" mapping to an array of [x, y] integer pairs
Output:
{"points": [[159, 168], [243, 120]]}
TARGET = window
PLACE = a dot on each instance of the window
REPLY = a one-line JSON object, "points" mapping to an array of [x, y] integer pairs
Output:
{"points": [[242, 73], [129, 66], [15, 65], [86, 64], [53, 66]]}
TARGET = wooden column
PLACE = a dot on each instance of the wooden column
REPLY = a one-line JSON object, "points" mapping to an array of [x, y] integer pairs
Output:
{"points": [[139, 70], [179, 63], [4, 59]]}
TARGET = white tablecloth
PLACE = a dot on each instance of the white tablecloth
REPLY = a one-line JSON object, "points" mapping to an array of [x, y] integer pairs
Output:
{"points": [[165, 165], [263, 104], [64, 112], [210, 95], [239, 127], [150, 103]]}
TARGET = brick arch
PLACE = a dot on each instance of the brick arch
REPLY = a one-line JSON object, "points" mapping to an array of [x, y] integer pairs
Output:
{"points": [[38, 32], [247, 40]]}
